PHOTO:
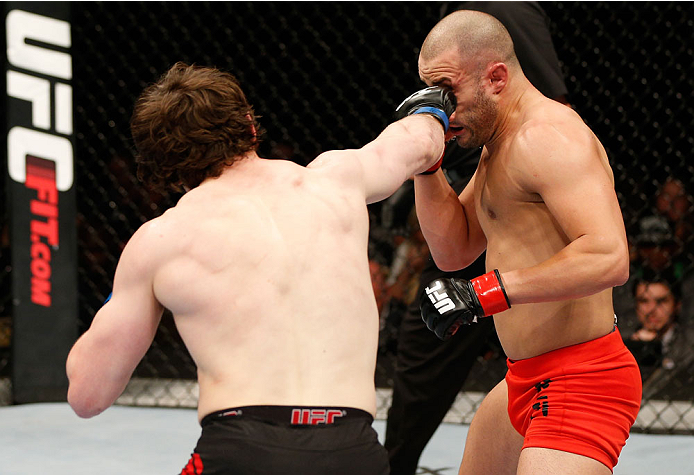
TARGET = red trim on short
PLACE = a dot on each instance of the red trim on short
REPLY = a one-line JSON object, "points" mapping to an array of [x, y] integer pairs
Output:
{"points": [[194, 466]]}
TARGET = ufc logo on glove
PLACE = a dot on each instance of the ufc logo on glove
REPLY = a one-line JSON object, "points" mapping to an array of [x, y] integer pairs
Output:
{"points": [[459, 302], [441, 301]]}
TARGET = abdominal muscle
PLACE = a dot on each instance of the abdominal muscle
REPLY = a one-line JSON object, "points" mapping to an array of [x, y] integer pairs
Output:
{"points": [[528, 330]]}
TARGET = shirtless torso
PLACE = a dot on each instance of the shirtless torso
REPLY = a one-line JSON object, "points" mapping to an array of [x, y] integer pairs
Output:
{"points": [[542, 203], [265, 269], [266, 301], [529, 223]]}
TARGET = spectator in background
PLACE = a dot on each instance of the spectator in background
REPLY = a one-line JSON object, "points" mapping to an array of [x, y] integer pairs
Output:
{"points": [[429, 372], [402, 282], [378, 281], [661, 243], [660, 344], [664, 236], [656, 246], [673, 202], [411, 255], [657, 303]]}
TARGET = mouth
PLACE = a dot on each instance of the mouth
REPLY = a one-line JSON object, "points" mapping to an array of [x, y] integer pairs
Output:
{"points": [[454, 131]]}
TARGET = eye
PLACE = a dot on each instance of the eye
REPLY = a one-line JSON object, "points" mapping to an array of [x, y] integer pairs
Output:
{"points": [[443, 83]]}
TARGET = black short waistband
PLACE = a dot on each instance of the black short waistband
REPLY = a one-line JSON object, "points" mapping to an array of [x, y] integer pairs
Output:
{"points": [[292, 415]]}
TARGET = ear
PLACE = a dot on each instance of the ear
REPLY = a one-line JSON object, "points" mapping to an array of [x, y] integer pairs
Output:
{"points": [[496, 77], [250, 119]]}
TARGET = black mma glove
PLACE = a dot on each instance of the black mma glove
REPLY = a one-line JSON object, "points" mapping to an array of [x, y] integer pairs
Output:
{"points": [[434, 100], [437, 101], [446, 304]]}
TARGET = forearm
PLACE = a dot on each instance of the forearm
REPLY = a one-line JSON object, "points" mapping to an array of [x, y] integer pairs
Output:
{"points": [[444, 223], [405, 148], [92, 387], [97, 375], [584, 267]]}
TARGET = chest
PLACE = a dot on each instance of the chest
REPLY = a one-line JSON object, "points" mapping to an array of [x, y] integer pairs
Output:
{"points": [[500, 195]]}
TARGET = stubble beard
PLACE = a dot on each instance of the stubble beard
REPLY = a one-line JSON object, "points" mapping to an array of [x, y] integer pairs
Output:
{"points": [[480, 121]]}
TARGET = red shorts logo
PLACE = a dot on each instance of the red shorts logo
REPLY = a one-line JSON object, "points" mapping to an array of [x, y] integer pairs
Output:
{"points": [[315, 416]]}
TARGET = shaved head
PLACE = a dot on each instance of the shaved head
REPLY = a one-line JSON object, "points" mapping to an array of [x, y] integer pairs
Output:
{"points": [[478, 37]]}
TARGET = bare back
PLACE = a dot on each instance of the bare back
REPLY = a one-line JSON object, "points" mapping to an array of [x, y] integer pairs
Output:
{"points": [[267, 277], [265, 269], [532, 199]]}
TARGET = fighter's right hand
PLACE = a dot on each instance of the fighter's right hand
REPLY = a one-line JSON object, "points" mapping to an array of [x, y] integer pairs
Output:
{"points": [[448, 303], [437, 101]]}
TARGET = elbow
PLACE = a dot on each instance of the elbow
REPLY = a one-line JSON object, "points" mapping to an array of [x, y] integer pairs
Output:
{"points": [[447, 266], [84, 413], [619, 270], [84, 409], [443, 264], [447, 263], [622, 274]]}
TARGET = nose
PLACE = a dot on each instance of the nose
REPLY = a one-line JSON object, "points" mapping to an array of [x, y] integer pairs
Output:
{"points": [[648, 308]]}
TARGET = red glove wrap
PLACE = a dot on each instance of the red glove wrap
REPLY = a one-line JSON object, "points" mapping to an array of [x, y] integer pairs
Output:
{"points": [[490, 292]]}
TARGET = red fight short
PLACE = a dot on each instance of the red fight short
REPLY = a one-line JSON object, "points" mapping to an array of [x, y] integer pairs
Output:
{"points": [[581, 399]]}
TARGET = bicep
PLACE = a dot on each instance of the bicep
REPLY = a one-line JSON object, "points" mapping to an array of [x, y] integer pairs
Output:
{"points": [[582, 210], [579, 193]]}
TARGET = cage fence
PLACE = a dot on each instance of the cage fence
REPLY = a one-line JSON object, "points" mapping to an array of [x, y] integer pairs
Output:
{"points": [[327, 76]]}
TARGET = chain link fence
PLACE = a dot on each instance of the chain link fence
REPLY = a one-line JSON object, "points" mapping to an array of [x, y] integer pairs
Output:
{"points": [[328, 76]]}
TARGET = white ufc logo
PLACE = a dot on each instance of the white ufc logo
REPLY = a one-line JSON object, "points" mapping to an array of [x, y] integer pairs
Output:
{"points": [[441, 301]]}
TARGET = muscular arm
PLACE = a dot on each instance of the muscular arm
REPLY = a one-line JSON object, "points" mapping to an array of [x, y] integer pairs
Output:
{"points": [[103, 359], [568, 169], [404, 148], [448, 222]]}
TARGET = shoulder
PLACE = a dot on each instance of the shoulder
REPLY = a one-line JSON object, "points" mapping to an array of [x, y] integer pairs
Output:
{"points": [[333, 160], [151, 240], [344, 166], [555, 143], [553, 132]]}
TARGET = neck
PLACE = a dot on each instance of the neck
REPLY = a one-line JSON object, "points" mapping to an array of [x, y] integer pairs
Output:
{"points": [[230, 171], [519, 97]]}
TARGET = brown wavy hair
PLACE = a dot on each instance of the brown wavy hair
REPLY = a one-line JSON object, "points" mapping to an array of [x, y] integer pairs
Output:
{"points": [[189, 125]]}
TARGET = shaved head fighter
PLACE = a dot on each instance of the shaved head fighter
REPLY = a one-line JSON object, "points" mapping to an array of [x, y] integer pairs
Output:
{"points": [[542, 203]]}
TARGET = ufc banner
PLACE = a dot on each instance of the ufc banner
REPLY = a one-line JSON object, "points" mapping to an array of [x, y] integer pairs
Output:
{"points": [[41, 196]]}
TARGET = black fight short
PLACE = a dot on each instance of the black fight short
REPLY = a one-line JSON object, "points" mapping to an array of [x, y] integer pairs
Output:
{"points": [[268, 440]]}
